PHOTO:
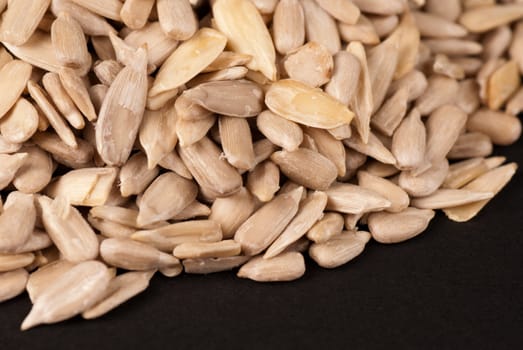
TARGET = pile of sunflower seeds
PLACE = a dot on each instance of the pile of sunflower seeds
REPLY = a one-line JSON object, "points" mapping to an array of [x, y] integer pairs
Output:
{"points": [[202, 136]]}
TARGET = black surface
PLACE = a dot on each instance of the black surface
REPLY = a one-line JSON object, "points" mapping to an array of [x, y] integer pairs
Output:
{"points": [[456, 286]]}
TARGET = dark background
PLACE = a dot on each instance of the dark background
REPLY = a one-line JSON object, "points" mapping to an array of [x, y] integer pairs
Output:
{"points": [[456, 286]]}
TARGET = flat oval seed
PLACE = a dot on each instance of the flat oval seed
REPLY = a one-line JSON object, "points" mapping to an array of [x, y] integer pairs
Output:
{"points": [[285, 267], [399, 227], [12, 283], [339, 249], [20, 123], [14, 76]]}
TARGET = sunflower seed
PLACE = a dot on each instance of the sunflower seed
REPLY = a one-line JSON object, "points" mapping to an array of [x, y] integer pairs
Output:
{"points": [[266, 224], [192, 250], [70, 294], [120, 289], [230, 212], [264, 181], [399, 227], [9, 262], [362, 31], [483, 18], [69, 42], [415, 83], [397, 197], [441, 90], [135, 176], [425, 183], [320, 27], [12, 283], [408, 37], [468, 96], [345, 77], [227, 59], [380, 7], [503, 82], [454, 47], [384, 25], [280, 131], [195, 209], [62, 101], [471, 144], [352, 199], [106, 8], [157, 134], [339, 249], [17, 221], [374, 148], [14, 76], [46, 275], [311, 64], [288, 26], [389, 116], [9, 165], [501, 128], [330, 225], [443, 65], [173, 162], [21, 19], [190, 132], [343, 10], [432, 25], [210, 265], [465, 171], [496, 42], [134, 13], [285, 267], [106, 71], [177, 18], [445, 198]]}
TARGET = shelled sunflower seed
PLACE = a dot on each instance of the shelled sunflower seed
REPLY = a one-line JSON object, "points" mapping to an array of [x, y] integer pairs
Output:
{"points": [[205, 136]]}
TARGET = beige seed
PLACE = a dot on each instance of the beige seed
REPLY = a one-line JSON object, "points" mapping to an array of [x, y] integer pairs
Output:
{"points": [[159, 45], [167, 237], [484, 18], [134, 13], [311, 64], [9, 262], [5, 57], [389, 116], [55, 119], [384, 25], [288, 26], [46, 275], [501, 128], [135, 176], [468, 96], [14, 76], [463, 172], [193, 210], [159, 101], [12, 283], [157, 134], [380, 7], [78, 91], [21, 19], [449, 9], [20, 123], [280, 131], [124, 216], [266, 224], [380, 169], [408, 37], [339, 249], [431, 25], [70, 294], [515, 103], [414, 81], [132, 255], [232, 73], [454, 47], [17, 221], [230, 212], [110, 229], [69, 42], [35, 172], [374, 148], [9, 165], [246, 32], [397, 197], [329, 147], [192, 250], [167, 196], [187, 109], [227, 59], [263, 150], [503, 82], [122, 110], [106, 71], [62, 101], [442, 65], [496, 42], [210, 171], [352, 199], [38, 240], [285, 267], [103, 47], [441, 90], [97, 93], [345, 77], [425, 183], [120, 289], [398, 227], [68, 230], [76, 158], [211, 265], [106, 8], [320, 27], [471, 144], [470, 65], [341, 132], [343, 10], [266, 7], [330, 225], [445, 198], [264, 181], [177, 18], [492, 181], [190, 132], [516, 46], [300, 103], [310, 211], [362, 31], [87, 186], [173, 162], [236, 98], [8, 147], [306, 167]]}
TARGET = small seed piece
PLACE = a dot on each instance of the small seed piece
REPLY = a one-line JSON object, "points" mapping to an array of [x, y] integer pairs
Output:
{"points": [[264, 181], [247, 34], [70, 294], [493, 181], [310, 211], [345, 77], [339, 249], [131, 255], [306, 167], [399, 227], [330, 225], [285, 267], [302, 104], [68, 230], [177, 18], [21, 19], [191, 250], [120, 289], [167, 196], [12, 283], [17, 221], [266, 224], [311, 64], [191, 131], [210, 265]]}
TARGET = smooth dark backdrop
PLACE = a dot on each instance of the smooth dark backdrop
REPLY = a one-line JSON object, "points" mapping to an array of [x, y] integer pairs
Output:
{"points": [[456, 286]]}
